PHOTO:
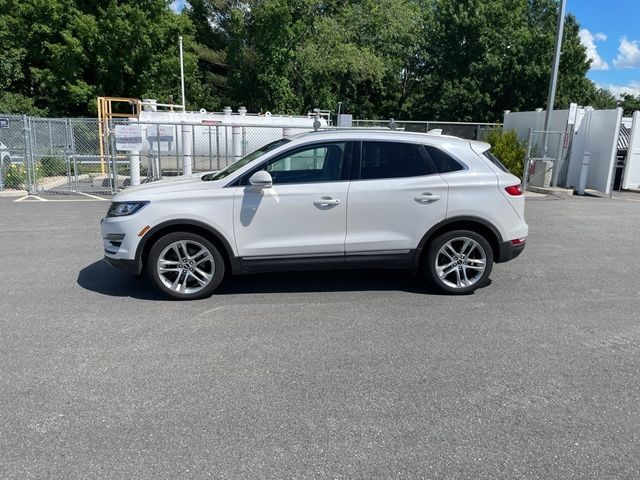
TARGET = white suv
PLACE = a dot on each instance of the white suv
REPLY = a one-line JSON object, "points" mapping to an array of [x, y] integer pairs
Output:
{"points": [[331, 199]]}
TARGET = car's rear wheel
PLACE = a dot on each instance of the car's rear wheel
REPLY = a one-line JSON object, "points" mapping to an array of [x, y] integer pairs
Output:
{"points": [[459, 261], [185, 266]]}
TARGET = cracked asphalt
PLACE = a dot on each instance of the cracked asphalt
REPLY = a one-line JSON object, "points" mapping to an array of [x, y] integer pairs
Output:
{"points": [[339, 375]]}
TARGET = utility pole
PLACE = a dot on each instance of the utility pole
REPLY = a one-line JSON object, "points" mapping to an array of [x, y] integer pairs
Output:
{"points": [[184, 101], [554, 72]]}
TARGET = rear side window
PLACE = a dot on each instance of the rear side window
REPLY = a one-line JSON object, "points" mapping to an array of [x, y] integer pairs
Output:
{"points": [[492, 158], [443, 162], [393, 160]]}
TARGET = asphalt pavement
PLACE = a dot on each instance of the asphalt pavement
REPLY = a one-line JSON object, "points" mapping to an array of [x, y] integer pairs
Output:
{"points": [[337, 375]]}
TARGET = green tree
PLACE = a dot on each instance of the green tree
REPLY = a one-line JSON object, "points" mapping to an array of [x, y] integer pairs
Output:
{"points": [[64, 53], [629, 103], [292, 56], [19, 103], [482, 58], [426, 59]]}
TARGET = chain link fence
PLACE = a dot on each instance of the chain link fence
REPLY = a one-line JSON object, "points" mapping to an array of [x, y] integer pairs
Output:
{"points": [[84, 155], [46, 154]]}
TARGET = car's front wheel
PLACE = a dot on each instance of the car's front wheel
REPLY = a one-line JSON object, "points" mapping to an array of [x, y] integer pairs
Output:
{"points": [[459, 261], [185, 266]]}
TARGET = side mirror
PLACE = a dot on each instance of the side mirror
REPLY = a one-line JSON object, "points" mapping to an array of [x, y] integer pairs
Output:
{"points": [[261, 179]]}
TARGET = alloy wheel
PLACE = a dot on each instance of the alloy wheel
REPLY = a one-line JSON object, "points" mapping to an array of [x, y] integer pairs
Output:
{"points": [[185, 266], [460, 262]]}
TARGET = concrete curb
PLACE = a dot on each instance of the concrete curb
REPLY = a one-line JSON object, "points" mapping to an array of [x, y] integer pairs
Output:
{"points": [[551, 190], [13, 193]]}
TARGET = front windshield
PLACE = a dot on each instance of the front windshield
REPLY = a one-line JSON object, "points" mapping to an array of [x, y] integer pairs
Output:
{"points": [[225, 172]]}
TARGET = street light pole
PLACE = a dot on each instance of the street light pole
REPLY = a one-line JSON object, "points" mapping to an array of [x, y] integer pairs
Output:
{"points": [[554, 72]]}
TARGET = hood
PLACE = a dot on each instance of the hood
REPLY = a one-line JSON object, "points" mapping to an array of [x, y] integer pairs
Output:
{"points": [[172, 185]]}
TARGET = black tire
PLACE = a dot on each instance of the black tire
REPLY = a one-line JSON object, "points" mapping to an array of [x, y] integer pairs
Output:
{"points": [[197, 280], [462, 275]]}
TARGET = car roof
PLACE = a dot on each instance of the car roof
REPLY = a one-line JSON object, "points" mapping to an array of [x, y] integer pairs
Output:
{"points": [[378, 134]]}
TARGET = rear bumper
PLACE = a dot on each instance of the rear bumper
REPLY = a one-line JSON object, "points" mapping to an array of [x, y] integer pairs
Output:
{"points": [[130, 266], [508, 251]]}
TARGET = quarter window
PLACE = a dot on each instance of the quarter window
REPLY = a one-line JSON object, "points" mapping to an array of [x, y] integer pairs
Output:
{"points": [[492, 158], [443, 162], [393, 160]]}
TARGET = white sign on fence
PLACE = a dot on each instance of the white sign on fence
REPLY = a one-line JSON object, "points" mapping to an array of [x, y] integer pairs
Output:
{"points": [[128, 138], [162, 135], [573, 113]]}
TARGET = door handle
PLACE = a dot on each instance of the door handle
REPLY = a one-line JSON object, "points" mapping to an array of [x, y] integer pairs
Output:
{"points": [[326, 202], [426, 197]]}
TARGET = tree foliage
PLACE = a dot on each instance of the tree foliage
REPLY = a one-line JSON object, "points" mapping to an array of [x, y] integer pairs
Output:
{"points": [[629, 103], [508, 149], [421, 59]]}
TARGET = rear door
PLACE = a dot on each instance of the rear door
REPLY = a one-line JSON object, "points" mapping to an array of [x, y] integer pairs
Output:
{"points": [[396, 195]]}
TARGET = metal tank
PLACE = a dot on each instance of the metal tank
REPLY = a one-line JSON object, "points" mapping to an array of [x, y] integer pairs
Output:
{"points": [[200, 141]]}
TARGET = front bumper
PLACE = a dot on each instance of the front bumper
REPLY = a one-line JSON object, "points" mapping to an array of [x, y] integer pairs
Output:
{"points": [[509, 251], [130, 266], [120, 243]]}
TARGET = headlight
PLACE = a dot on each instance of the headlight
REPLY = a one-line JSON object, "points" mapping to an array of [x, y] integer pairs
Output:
{"points": [[122, 209]]}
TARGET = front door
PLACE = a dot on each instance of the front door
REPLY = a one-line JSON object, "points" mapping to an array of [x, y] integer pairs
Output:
{"points": [[304, 214]]}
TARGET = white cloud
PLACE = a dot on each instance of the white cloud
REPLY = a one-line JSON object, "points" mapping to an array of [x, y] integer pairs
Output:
{"points": [[628, 54], [633, 87], [589, 40]]}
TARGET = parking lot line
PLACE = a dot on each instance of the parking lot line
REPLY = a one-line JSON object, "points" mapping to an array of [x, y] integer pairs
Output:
{"points": [[92, 196], [30, 197]]}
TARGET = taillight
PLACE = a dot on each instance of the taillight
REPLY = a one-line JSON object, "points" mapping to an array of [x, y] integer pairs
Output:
{"points": [[514, 190], [518, 241]]}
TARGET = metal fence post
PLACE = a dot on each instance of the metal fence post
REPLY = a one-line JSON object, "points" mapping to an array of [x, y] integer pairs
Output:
{"points": [[526, 161], [50, 138], [558, 160], [210, 152], [72, 139], [178, 147], [194, 163], [226, 145], [159, 149], [67, 150], [218, 146], [187, 150], [244, 141], [28, 157], [113, 177]]}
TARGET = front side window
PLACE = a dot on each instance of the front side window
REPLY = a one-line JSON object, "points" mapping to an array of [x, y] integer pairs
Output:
{"points": [[225, 172], [393, 160], [317, 163]]}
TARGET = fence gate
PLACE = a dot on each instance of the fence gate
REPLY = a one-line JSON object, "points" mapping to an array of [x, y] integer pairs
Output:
{"points": [[53, 155]]}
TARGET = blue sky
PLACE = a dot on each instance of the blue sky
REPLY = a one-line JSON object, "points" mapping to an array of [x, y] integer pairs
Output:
{"points": [[610, 30], [177, 5]]}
